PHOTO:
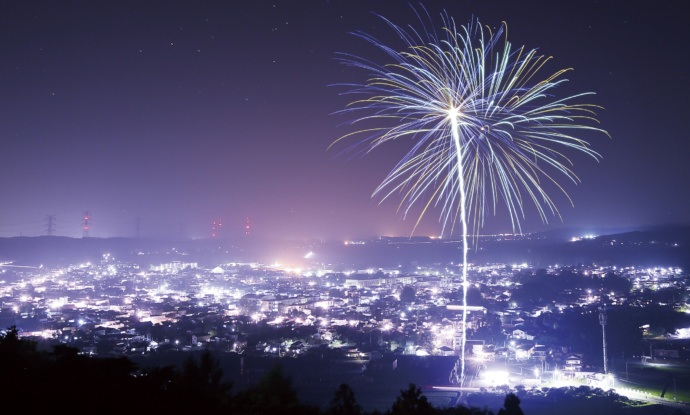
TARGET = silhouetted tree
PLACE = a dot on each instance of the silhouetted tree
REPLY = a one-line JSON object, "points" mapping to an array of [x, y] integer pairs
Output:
{"points": [[412, 402], [200, 385], [273, 394], [344, 402], [511, 406], [407, 295], [616, 283]]}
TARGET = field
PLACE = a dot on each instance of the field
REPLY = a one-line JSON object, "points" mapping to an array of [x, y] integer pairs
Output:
{"points": [[659, 380]]}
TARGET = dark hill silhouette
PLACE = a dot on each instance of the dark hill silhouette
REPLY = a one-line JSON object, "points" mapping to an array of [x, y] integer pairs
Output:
{"points": [[662, 246]]}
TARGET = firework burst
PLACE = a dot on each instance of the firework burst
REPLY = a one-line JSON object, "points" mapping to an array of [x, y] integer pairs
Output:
{"points": [[485, 127]]}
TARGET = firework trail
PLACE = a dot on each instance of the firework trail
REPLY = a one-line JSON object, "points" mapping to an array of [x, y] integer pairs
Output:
{"points": [[485, 128]]}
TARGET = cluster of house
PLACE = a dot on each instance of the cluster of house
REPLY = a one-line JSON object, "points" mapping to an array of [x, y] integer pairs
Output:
{"points": [[118, 308]]}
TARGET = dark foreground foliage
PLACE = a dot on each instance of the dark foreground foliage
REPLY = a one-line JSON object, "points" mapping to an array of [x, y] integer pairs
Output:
{"points": [[61, 378]]}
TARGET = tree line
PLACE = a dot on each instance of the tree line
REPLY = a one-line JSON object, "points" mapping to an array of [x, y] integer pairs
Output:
{"points": [[61, 378]]}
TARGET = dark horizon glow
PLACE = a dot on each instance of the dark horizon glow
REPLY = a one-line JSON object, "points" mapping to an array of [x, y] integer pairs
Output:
{"points": [[180, 114]]}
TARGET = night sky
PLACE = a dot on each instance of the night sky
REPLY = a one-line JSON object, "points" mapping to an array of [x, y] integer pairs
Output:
{"points": [[180, 113]]}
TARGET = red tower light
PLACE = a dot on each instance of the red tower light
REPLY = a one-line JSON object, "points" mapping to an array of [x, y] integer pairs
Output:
{"points": [[86, 225]]}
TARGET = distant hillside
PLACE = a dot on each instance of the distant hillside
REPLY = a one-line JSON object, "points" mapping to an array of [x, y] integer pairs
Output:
{"points": [[664, 246]]}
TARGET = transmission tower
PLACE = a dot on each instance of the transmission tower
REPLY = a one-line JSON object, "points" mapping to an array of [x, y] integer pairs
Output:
{"points": [[248, 226], [50, 221], [602, 321], [85, 223], [217, 227]]}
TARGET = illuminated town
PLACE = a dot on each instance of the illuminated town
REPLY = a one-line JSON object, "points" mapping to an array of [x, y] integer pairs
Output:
{"points": [[339, 207], [516, 332]]}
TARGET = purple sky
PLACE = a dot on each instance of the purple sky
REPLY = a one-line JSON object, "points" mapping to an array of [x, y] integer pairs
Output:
{"points": [[179, 113]]}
